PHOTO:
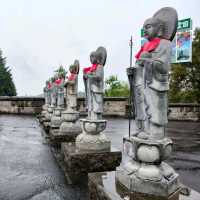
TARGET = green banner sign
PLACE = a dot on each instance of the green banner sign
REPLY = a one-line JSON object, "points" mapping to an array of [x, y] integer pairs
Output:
{"points": [[184, 24]]}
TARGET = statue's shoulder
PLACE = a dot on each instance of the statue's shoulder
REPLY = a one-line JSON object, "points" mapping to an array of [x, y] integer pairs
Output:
{"points": [[164, 44]]}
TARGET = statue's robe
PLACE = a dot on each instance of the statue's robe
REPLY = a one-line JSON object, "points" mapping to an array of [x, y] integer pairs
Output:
{"points": [[151, 82], [72, 91], [156, 83]]}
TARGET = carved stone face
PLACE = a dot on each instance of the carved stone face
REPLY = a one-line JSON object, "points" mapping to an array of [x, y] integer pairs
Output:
{"points": [[74, 69], [93, 58], [152, 28], [71, 69], [60, 76], [56, 76]]}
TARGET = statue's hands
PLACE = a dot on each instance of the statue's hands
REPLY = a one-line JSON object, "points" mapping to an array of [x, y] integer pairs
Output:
{"points": [[85, 76], [65, 83], [141, 62], [88, 75], [145, 57]]}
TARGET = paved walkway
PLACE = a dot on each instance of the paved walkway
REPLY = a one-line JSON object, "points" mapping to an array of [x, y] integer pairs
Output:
{"points": [[28, 170]]}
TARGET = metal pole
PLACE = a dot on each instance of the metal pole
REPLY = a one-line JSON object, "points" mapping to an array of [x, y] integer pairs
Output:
{"points": [[131, 48], [130, 95]]}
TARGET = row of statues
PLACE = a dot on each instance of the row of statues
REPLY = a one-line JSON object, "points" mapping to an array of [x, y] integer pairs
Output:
{"points": [[149, 85], [61, 99], [93, 78], [149, 79]]}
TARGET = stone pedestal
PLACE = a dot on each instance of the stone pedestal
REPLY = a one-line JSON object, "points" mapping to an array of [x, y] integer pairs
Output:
{"points": [[146, 172], [47, 120], [79, 163], [92, 138], [56, 118], [68, 130], [70, 126], [44, 110], [104, 186], [41, 117], [56, 138]]}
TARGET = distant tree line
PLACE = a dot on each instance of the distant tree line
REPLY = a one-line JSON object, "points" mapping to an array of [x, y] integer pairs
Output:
{"points": [[7, 86], [116, 88]]}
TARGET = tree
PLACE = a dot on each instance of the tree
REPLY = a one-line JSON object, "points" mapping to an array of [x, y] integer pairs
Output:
{"points": [[7, 86], [185, 77], [116, 88]]}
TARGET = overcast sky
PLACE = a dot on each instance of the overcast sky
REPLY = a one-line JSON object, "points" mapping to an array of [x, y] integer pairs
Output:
{"points": [[37, 36]]}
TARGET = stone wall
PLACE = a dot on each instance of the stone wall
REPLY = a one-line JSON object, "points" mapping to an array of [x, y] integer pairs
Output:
{"points": [[21, 105], [113, 106], [184, 111]]}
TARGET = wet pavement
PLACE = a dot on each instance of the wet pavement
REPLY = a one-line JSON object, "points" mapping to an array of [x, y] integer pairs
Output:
{"points": [[28, 170]]}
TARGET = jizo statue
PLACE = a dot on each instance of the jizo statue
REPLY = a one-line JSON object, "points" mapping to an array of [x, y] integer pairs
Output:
{"points": [[94, 83], [151, 76], [53, 93], [45, 90], [48, 93], [59, 83], [71, 85]]}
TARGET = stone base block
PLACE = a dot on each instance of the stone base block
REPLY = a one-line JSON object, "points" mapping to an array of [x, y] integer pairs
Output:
{"points": [[104, 186], [56, 122], [148, 179], [46, 126], [57, 137], [80, 162], [96, 142], [42, 119], [71, 129]]}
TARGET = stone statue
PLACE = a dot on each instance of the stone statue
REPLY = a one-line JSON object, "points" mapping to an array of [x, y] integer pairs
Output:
{"points": [[70, 126], [53, 92], [92, 137], [94, 82], [147, 172], [151, 80], [71, 85], [51, 100], [45, 89], [59, 82], [46, 104], [48, 92]]}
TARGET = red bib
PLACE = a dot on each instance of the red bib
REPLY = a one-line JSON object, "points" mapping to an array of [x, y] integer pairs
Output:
{"points": [[58, 81], [71, 77], [92, 68], [148, 47], [49, 85]]}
